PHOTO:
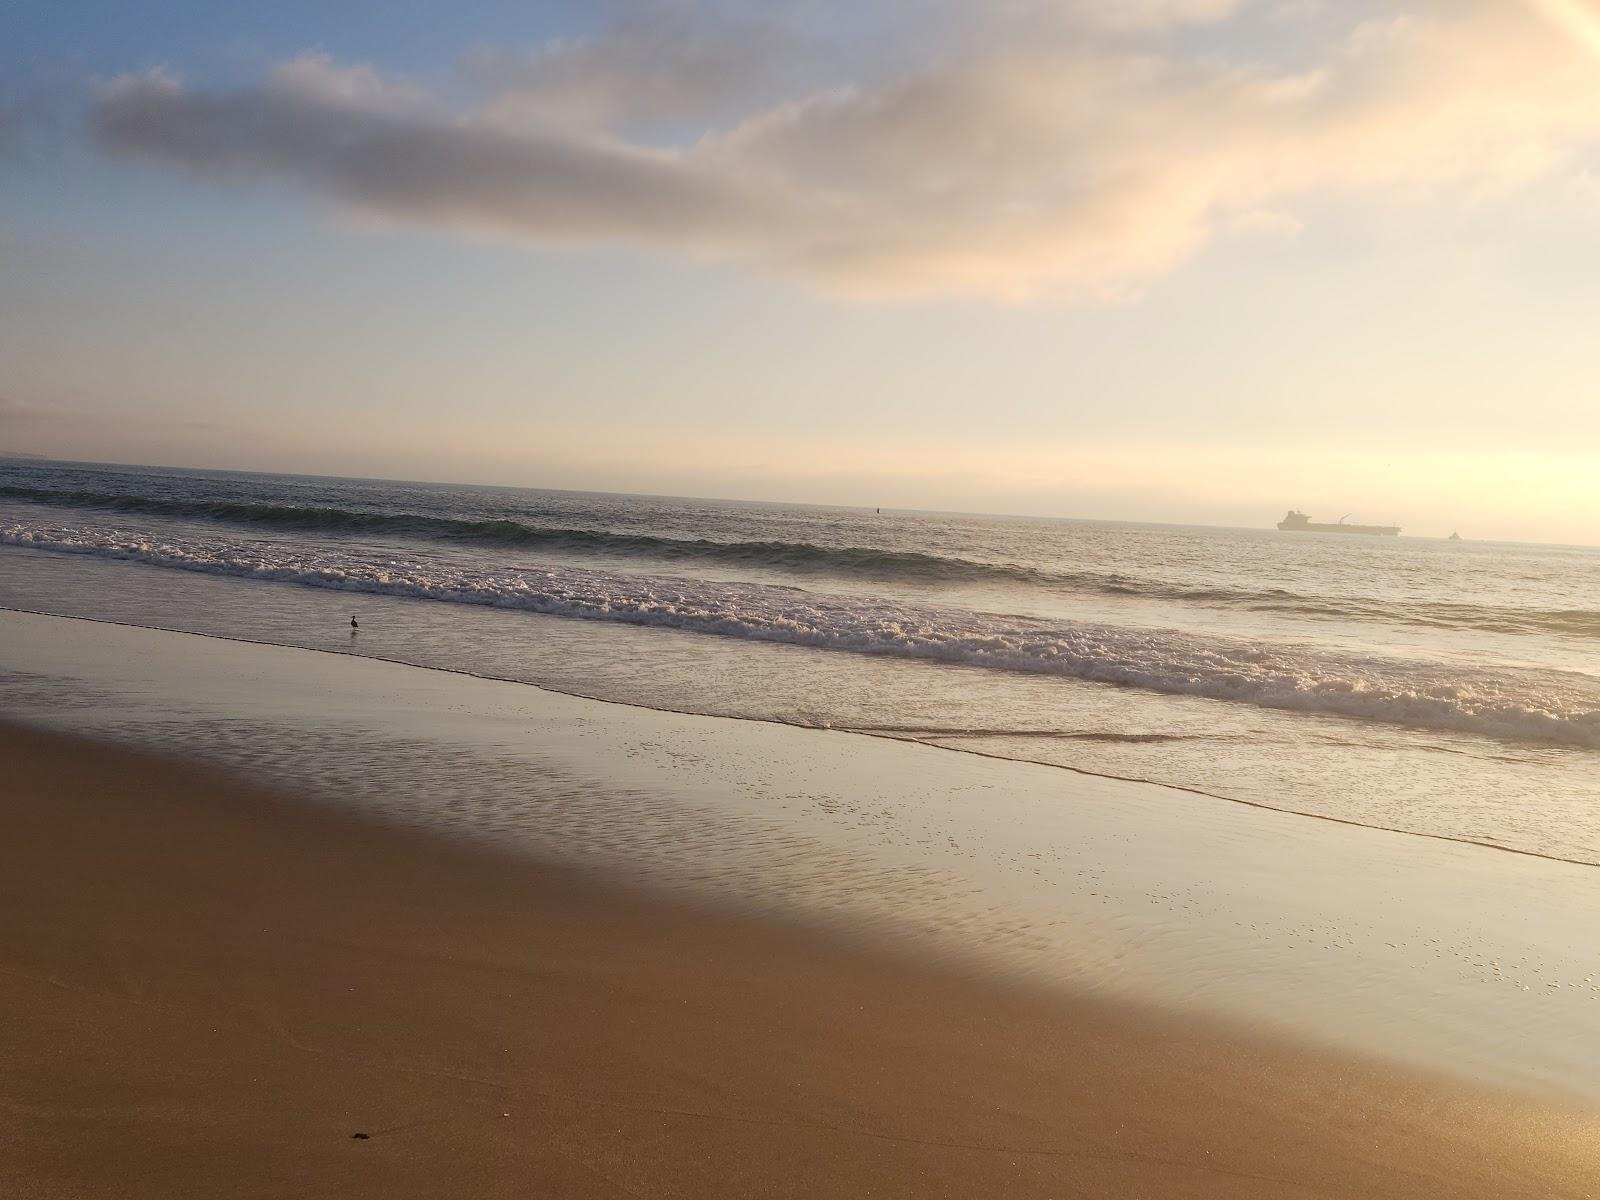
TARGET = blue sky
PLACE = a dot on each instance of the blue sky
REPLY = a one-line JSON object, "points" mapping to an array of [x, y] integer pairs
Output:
{"points": [[210, 40], [1203, 265]]}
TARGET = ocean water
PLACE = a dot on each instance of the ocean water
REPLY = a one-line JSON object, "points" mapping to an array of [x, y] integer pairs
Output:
{"points": [[1445, 689]]}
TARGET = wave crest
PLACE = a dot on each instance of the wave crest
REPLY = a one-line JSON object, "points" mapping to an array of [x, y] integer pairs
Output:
{"points": [[809, 558], [1539, 706]]}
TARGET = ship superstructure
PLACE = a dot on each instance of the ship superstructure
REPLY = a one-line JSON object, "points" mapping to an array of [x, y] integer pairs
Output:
{"points": [[1295, 521]]}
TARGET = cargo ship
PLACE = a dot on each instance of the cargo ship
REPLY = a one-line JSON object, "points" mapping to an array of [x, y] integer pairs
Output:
{"points": [[1297, 522]]}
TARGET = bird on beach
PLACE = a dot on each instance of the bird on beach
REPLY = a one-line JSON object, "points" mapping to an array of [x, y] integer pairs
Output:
{"points": [[353, 624]]}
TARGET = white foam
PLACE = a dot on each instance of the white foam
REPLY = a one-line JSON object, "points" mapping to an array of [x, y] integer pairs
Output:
{"points": [[1500, 702]]}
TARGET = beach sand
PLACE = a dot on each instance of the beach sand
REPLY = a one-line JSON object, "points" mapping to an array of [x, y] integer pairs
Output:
{"points": [[207, 990]]}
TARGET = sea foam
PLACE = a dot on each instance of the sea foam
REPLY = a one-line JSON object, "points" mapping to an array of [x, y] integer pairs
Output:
{"points": [[1506, 703], [920, 567]]}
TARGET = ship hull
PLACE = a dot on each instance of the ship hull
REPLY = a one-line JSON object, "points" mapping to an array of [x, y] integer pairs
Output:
{"points": [[1368, 530]]}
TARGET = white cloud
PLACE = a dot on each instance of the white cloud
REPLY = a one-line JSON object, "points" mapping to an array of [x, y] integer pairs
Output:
{"points": [[1147, 15], [1061, 163], [1265, 221], [1577, 18]]}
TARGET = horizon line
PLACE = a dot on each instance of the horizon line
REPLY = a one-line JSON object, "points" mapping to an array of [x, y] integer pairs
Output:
{"points": [[32, 457]]}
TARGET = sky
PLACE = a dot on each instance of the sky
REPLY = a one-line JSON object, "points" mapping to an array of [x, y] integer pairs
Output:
{"points": [[1183, 260]]}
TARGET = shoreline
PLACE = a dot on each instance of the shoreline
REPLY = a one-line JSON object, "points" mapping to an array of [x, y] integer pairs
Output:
{"points": [[1449, 958], [209, 989], [887, 736]]}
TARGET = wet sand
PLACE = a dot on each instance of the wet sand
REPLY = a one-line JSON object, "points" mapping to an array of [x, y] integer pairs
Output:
{"points": [[1456, 959], [207, 990]]}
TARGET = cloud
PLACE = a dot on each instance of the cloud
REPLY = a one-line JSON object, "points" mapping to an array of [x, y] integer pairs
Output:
{"points": [[340, 132], [1082, 155], [1265, 221], [1577, 18], [1147, 15], [653, 69]]}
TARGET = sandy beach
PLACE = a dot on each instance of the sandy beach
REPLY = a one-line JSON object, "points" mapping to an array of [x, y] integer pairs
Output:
{"points": [[1456, 959], [674, 598], [211, 990]]}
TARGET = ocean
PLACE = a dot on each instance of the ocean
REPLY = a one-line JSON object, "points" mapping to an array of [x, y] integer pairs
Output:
{"points": [[1445, 689]]}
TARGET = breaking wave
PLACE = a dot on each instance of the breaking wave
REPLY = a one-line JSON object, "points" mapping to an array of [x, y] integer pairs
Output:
{"points": [[809, 558], [908, 564], [1510, 704]]}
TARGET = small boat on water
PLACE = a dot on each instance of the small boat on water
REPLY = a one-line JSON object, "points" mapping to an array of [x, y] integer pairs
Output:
{"points": [[1295, 521]]}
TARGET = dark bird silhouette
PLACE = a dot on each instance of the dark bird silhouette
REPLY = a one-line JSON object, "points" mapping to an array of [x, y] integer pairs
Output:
{"points": [[353, 624]]}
